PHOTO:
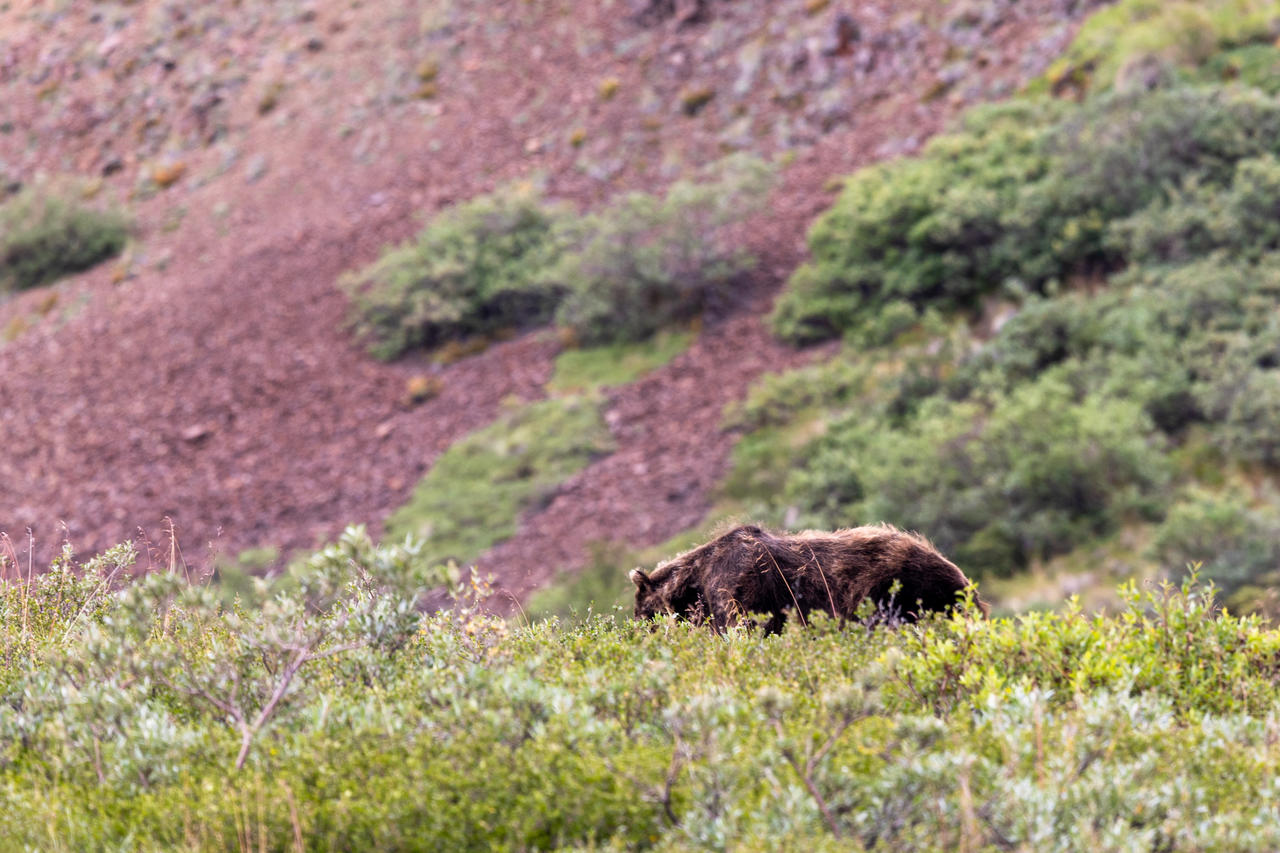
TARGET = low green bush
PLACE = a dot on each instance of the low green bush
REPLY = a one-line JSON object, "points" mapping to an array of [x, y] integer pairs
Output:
{"points": [[646, 262], [1026, 196], [924, 230], [1232, 543], [474, 270], [45, 236], [1181, 33], [506, 260], [1240, 219], [1033, 475], [1256, 65]]}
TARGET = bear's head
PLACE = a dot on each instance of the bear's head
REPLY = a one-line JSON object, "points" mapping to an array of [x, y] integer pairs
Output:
{"points": [[670, 589], [649, 600]]}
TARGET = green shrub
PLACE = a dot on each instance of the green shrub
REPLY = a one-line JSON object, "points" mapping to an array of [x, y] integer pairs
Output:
{"points": [[1232, 543], [925, 230], [1028, 195], [1255, 65], [1247, 409], [474, 493], [474, 270], [1196, 220], [1037, 474], [45, 236], [509, 260], [1046, 436], [1179, 32], [391, 730], [646, 262]]}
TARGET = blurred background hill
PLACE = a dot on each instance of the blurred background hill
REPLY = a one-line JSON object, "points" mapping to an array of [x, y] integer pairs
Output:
{"points": [[558, 287]]}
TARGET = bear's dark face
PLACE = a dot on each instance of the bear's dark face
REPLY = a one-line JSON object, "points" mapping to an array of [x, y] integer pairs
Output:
{"points": [[669, 591], [649, 602]]}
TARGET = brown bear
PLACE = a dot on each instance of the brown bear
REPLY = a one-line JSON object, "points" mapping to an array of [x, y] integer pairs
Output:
{"points": [[750, 570]]}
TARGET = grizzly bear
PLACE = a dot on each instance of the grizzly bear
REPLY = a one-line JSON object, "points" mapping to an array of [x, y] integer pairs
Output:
{"points": [[750, 570]]}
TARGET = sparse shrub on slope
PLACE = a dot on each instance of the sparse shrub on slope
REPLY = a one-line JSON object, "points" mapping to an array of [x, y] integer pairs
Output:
{"points": [[645, 262], [473, 270], [509, 260], [45, 236]]}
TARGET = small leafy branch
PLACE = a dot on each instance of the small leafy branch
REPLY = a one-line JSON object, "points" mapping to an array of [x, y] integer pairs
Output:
{"points": [[251, 680], [845, 706], [247, 666]]}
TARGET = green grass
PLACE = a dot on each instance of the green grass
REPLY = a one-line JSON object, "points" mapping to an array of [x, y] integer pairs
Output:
{"points": [[473, 495], [593, 368]]}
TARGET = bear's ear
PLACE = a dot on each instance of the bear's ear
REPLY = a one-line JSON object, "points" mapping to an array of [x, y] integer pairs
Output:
{"points": [[640, 579]]}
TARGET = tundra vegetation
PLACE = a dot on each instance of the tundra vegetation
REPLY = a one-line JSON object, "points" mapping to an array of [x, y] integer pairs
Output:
{"points": [[474, 493], [337, 715]]}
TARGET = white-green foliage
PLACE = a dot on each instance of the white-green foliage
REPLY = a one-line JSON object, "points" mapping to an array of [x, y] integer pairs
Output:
{"points": [[122, 729], [130, 682]]}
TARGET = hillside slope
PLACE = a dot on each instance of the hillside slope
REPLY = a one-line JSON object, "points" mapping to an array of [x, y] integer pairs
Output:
{"points": [[267, 148]]}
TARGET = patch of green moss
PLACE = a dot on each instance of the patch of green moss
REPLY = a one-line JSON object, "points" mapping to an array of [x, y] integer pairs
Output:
{"points": [[473, 496], [615, 364], [1182, 34]]}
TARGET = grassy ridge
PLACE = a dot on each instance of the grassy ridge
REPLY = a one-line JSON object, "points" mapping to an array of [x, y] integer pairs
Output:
{"points": [[126, 714]]}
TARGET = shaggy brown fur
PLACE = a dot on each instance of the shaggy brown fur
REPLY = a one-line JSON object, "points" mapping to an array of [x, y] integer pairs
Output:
{"points": [[750, 570]]}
